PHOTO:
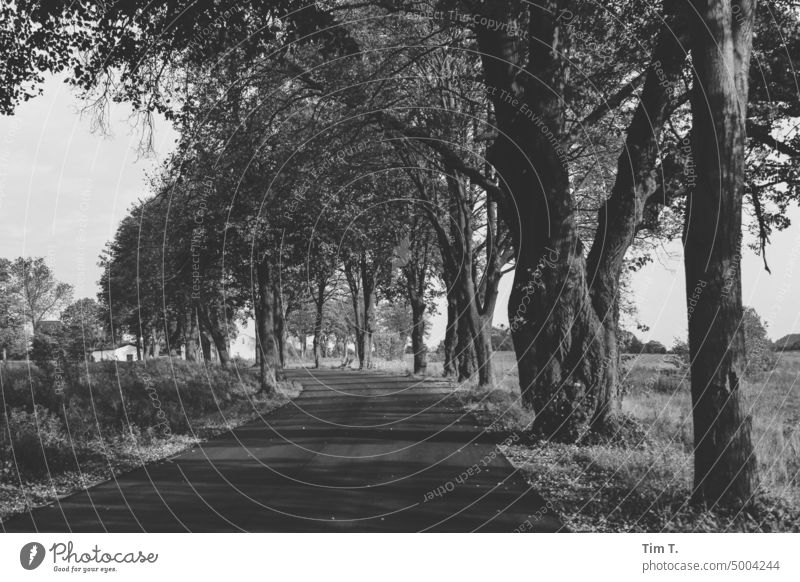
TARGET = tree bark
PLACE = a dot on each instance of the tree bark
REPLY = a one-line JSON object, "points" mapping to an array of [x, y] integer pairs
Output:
{"points": [[563, 312], [418, 337], [464, 354], [450, 338], [352, 274], [269, 364], [368, 285], [622, 214], [216, 323], [466, 294], [205, 346], [279, 320], [319, 302], [724, 460]]}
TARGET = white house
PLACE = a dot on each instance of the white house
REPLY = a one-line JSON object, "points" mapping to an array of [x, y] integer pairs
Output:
{"points": [[122, 353], [244, 346]]}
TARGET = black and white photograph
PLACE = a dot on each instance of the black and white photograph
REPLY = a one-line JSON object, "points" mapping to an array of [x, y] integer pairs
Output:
{"points": [[273, 267]]}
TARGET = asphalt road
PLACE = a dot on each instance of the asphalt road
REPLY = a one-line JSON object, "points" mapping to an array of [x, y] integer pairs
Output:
{"points": [[354, 452]]}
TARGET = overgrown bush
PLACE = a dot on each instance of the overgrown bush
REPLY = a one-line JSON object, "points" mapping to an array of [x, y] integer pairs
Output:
{"points": [[758, 349], [46, 429], [39, 443]]}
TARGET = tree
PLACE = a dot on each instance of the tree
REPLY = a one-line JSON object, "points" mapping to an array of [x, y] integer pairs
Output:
{"points": [[654, 347], [680, 347], [724, 460], [757, 346], [501, 339], [629, 343], [12, 337], [83, 329], [394, 326], [546, 99], [38, 292]]}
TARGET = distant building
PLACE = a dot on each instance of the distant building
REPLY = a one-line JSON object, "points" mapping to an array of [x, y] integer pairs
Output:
{"points": [[244, 346], [122, 353]]}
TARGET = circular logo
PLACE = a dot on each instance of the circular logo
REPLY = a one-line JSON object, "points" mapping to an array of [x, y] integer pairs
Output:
{"points": [[31, 555]]}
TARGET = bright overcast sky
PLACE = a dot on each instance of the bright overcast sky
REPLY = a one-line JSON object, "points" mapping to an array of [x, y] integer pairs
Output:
{"points": [[63, 190]]}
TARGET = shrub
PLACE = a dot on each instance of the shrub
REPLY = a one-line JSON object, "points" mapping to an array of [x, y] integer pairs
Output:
{"points": [[162, 394], [629, 343], [758, 348], [654, 347], [680, 348], [39, 443], [26, 385]]}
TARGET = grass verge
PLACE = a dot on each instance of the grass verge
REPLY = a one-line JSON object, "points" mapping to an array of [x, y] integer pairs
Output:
{"points": [[640, 479], [112, 418]]}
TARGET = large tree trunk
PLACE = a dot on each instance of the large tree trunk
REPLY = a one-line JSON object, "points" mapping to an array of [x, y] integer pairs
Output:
{"points": [[368, 285], [466, 294], [622, 215], [352, 274], [215, 322], [418, 337], [257, 323], [205, 346], [269, 364], [724, 461], [319, 301], [155, 341], [563, 319], [279, 321], [205, 338], [175, 333], [369, 327], [450, 337], [464, 354]]}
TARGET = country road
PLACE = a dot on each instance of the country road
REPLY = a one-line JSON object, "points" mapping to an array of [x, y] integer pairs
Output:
{"points": [[354, 452]]}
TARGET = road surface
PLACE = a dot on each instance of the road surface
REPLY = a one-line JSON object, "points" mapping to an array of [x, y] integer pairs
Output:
{"points": [[354, 452]]}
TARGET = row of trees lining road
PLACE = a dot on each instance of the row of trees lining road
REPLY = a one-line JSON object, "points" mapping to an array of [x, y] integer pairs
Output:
{"points": [[319, 138]]}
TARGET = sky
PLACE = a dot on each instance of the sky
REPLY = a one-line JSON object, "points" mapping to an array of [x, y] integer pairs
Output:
{"points": [[64, 190]]}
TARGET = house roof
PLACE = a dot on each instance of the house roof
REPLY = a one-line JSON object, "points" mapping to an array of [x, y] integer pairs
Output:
{"points": [[113, 348]]}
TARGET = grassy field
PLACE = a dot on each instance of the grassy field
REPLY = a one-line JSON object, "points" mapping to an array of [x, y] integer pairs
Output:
{"points": [[642, 482], [643, 485]]}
